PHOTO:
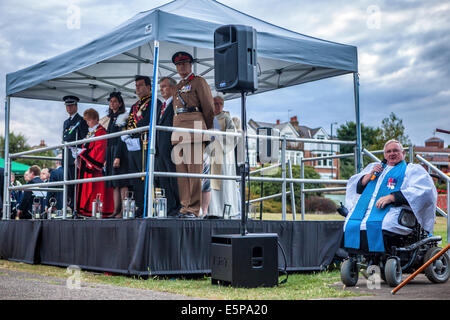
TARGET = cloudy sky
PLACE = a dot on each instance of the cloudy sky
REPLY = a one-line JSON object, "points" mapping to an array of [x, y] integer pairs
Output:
{"points": [[403, 49]]}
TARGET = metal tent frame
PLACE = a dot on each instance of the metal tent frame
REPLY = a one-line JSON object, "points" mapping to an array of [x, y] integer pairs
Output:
{"points": [[92, 74]]}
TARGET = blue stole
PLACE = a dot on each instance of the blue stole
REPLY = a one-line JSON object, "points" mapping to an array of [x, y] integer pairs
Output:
{"points": [[392, 181]]}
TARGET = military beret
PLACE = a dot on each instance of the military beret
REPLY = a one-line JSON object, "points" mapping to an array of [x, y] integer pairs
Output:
{"points": [[181, 56], [71, 100]]}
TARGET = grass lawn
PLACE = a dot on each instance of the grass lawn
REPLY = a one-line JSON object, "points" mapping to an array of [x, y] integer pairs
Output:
{"points": [[298, 287]]}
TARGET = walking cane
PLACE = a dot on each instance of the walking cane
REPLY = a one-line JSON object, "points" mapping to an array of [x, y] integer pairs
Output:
{"points": [[412, 276]]}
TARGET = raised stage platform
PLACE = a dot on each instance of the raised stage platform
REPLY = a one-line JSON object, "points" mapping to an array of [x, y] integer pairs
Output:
{"points": [[158, 246]]}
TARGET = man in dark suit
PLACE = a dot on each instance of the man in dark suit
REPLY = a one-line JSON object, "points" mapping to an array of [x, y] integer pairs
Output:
{"points": [[74, 128], [25, 208], [163, 146]]}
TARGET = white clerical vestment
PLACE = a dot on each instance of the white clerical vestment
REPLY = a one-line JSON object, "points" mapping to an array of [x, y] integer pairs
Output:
{"points": [[417, 188]]}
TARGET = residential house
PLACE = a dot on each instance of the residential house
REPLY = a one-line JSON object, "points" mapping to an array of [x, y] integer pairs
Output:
{"points": [[329, 168], [295, 151], [435, 152]]}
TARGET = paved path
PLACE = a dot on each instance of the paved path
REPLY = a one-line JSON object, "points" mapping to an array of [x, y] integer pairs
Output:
{"points": [[420, 288], [16, 285]]}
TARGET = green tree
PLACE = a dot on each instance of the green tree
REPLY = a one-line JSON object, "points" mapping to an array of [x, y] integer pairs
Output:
{"points": [[369, 140], [392, 128], [18, 143]]}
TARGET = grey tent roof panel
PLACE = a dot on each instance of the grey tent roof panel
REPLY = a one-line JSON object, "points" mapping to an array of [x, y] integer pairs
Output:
{"points": [[110, 62]]}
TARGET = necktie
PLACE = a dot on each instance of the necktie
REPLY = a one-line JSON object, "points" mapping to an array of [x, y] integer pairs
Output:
{"points": [[162, 110]]}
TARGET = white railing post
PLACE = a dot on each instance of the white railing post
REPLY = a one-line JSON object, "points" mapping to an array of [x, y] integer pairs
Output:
{"points": [[302, 188], [291, 184], [283, 176], [66, 175]]}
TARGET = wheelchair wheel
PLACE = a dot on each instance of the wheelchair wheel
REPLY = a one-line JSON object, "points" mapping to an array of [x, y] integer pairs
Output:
{"points": [[393, 272], [349, 272], [438, 271]]}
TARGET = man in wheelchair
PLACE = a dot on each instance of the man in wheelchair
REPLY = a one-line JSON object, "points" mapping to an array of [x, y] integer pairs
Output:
{"points": [[391, 218]]}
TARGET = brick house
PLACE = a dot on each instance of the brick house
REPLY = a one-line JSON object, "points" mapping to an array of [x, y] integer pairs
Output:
{"points": [[297, 150], [435, 153]]}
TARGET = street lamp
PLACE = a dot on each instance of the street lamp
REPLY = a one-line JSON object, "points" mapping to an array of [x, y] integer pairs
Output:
{"points": [[332, 160]]}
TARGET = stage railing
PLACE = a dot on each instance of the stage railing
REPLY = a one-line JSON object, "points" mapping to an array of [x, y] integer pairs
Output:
{"points": [[445, 178], [48, 186]]}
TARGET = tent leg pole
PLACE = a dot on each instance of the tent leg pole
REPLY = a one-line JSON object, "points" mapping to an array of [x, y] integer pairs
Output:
{"points": [[7, 173], [152, 134], [358, 122], [283, 176]]}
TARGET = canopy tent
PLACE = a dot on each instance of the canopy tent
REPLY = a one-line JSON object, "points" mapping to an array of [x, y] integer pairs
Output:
{"points": [[109, 63], [16, 167]]}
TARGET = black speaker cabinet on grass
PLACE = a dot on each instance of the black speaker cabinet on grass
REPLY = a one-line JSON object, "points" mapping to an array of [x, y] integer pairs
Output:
{"points": [[235, 59], [245, 261]]}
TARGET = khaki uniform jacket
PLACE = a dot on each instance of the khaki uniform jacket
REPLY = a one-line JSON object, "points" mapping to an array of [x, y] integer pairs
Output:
{"points": [[195, 92]]}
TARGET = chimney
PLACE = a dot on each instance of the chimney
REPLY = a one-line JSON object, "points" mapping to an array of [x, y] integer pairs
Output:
{"points": [[42, 144], [278, 121], [294, 121]]}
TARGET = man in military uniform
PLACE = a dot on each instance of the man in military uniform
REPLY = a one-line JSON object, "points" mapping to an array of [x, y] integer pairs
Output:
{"points": [[74, 128], [193, 108], [137, 144]]}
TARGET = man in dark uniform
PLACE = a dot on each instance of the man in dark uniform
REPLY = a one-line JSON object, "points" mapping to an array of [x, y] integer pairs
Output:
{"points": [[193, 108], [163, 146], [74, 128], [137, 144]]}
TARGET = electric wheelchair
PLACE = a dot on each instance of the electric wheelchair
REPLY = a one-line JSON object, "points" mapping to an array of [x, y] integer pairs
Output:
{"points": [[403, 254]]}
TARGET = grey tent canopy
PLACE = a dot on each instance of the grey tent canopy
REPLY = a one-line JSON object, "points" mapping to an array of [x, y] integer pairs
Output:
{"points": [[109, 63]]}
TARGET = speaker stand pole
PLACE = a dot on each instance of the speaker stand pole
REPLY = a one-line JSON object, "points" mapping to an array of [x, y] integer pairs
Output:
{"points": [[244, 166]]}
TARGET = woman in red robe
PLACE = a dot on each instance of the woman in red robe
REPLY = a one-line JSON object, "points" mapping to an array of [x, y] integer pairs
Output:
{"points": [[91, 159]]}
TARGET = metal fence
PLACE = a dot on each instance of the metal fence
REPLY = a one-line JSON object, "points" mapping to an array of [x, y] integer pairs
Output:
{"points": [[286, 169]]}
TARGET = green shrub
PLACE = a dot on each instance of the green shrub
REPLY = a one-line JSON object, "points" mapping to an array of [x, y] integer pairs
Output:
{"points": [[317, 204]]}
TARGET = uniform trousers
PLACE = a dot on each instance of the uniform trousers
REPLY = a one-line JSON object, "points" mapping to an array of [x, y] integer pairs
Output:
{"points": [[190, 189], [138, 185], [71, 187]]}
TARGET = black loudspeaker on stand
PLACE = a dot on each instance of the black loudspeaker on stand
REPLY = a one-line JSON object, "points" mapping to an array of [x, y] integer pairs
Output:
{"points": [[235, 59], [241, 260]]}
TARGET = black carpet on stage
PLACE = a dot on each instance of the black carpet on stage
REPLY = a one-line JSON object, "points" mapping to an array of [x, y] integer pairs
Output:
{"points": [[158, 246]]}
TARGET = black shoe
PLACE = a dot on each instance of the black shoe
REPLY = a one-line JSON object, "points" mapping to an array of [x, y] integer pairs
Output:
{"points": [[187, 216]]}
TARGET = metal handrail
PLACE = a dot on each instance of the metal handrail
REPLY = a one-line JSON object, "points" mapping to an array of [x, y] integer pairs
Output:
{"points": [[336, 156], [370, 155], [48, 185], [176, 129], [431, 166], [325, 189], [273, 196]]}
